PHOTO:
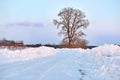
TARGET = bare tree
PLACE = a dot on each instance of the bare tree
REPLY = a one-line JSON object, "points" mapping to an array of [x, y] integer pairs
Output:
{"points": [[71, 22]]}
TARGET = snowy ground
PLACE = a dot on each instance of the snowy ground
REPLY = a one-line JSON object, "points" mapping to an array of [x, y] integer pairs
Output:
{"points": [[44, 63]]}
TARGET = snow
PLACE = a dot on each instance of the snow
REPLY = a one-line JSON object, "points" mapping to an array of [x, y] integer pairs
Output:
{"points": [[46, 63], [101, 63], [25, 54]]}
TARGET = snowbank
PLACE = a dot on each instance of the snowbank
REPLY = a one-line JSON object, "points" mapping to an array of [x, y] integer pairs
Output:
{"points": [[108, 48], [100, 63], [7, 55]]}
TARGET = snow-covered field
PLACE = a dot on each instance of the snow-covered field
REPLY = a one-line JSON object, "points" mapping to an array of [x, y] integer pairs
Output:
{"points": [[45, 63]]}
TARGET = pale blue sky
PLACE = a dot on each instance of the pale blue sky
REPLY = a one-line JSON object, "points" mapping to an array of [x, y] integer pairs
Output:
{"points": [[32, 20]]}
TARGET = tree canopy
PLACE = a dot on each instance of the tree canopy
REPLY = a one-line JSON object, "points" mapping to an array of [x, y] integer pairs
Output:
{"points": [[72, 22]]}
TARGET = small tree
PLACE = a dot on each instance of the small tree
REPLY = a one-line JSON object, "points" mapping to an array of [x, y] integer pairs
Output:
{"points": [[72, 21]]}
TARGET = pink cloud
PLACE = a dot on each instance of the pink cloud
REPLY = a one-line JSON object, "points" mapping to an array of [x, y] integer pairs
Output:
{"points": [[26, 23]]}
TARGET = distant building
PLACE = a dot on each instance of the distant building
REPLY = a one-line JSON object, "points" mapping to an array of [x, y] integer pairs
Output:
{"points": [[5, 42], [19, 43]]}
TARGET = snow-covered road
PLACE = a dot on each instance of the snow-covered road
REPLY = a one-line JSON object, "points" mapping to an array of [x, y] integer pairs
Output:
{"points": [[61, 66]]}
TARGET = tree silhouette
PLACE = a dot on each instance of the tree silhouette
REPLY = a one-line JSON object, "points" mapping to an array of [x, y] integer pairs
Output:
{"points": [[72, 22]]}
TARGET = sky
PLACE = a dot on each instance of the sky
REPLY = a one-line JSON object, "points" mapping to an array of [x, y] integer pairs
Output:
{"points": [[32, 20]]}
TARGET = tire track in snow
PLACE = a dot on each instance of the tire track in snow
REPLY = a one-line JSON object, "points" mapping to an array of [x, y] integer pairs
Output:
{"points": [[47, 72], [57, 61]]}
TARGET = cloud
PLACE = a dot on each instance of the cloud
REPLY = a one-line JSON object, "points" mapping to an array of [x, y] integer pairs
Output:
{"points": [[26, 24]]}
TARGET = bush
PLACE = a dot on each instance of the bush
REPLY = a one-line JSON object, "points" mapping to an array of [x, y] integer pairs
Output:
{"points": [[80, 43]]}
